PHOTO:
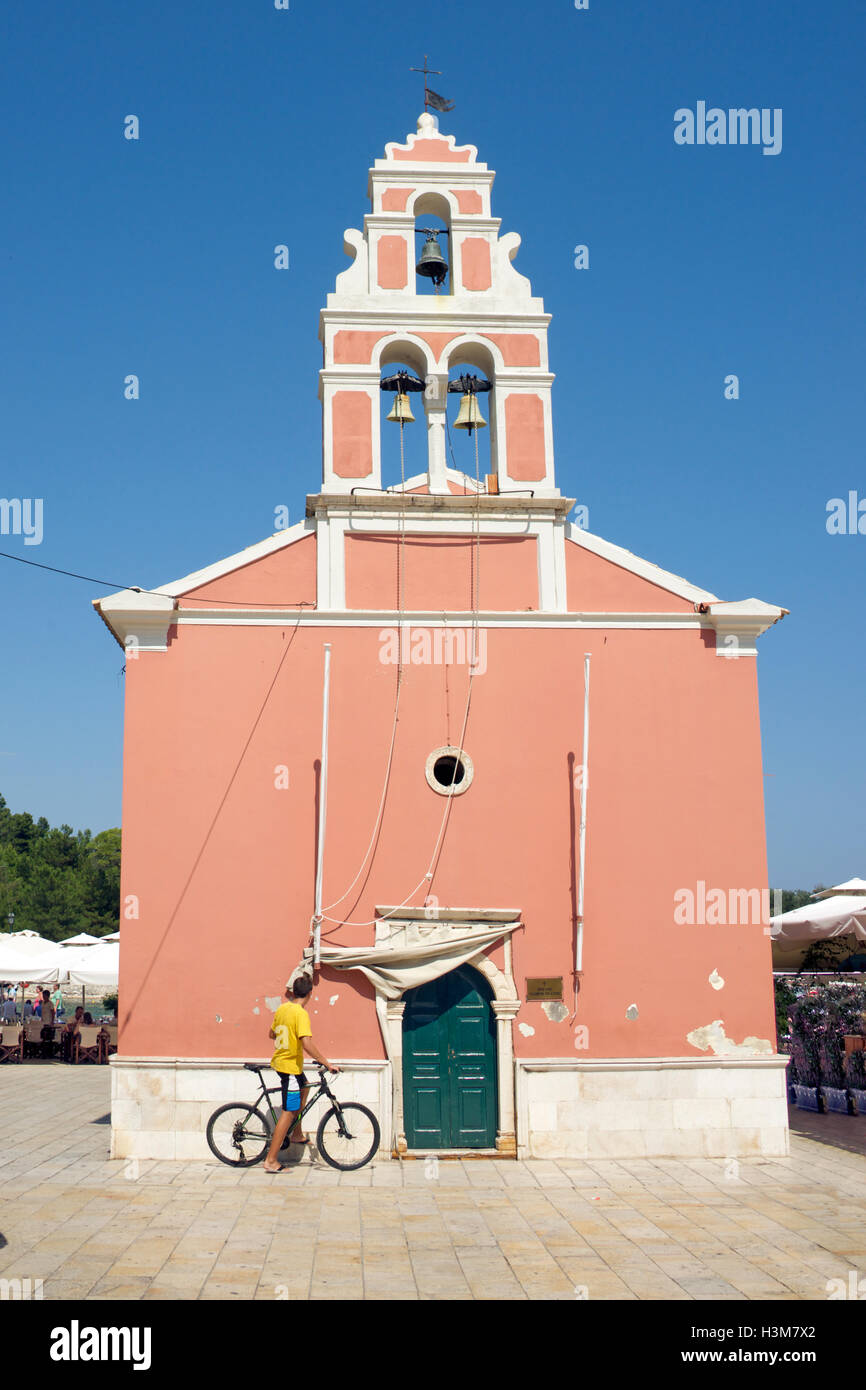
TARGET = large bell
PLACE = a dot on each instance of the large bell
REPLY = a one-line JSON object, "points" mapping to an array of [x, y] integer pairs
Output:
{"points": [[432, 263], [401, 411], [470, 417]]}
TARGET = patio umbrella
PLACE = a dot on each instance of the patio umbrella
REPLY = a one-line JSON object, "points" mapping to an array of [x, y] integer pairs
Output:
{"points": [[82, 939], [24, 957], [853, 885], [839, 915]]}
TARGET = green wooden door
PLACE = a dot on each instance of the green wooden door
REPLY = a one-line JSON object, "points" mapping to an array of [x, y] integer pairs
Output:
{"points": [[449, 1063]]}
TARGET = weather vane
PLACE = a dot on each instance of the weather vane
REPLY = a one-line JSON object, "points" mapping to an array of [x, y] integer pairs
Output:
{"points": [[432, 98]]}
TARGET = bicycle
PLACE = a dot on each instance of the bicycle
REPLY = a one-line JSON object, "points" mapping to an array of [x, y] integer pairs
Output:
{"points": [[240, 1134]]}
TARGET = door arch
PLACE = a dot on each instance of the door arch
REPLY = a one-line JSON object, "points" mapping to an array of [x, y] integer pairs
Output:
{"points": [[450, 1063]]}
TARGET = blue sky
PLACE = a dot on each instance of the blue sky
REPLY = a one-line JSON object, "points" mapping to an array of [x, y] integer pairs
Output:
{"points": [[257, 128]]}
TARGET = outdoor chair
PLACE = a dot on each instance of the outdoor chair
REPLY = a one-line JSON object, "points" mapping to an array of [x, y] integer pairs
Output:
{"points": [[10, 1051], [88, 1044], [109, 1040], [30, 1041], [49, 1035]]}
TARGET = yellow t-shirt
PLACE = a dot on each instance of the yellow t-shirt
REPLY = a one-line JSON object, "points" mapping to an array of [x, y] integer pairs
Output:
{"points": [[291, 1023]]}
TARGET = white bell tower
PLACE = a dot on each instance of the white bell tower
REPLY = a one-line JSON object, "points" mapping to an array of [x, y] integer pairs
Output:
{"points": [[485, 315]]}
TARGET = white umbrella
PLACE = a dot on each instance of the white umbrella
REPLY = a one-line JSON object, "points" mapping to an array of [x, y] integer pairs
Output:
{"points": [[96, 967], [853, 885], [82, 939], [839, 915]]}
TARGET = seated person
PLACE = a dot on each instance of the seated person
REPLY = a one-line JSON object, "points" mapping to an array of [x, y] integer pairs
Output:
{"points": [[87, 1017], [67, 1037], [28, 1010]]}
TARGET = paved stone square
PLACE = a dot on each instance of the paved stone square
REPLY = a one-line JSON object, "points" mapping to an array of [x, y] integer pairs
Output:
{"points": [[663, 1229]]}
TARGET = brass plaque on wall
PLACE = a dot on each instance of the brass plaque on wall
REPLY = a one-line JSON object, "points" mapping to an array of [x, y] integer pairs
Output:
{"points": [[550, 988]]}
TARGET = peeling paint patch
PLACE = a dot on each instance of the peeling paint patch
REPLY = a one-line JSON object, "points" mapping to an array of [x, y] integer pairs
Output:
{"points": [[257, 1010], [631, 1012], [219, 1018], [716, 980], [527, 1030], [712, 1035], [557, 1013], [273, 1002], [333, 999]]}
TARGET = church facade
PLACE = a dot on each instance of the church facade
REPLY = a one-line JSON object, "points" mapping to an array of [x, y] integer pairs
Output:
{"points": [[363, 748]]}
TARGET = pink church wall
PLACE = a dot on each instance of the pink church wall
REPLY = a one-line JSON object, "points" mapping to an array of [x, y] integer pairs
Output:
{"points": [[595, 585], [352, 345], [391, 256], [222, 863], [286, 577], [518, 349], [468, 201], [475, 262], [524, 438], [352, 417], [438, 573], [436, 151], [438, 342], [395, 199]]}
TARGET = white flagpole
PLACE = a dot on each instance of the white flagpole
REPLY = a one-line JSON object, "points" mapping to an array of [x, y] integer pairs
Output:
{"points": [[578, 946], [323, 802]]}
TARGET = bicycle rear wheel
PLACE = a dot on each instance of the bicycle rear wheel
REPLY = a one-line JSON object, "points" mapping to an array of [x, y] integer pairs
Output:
{"points": [[348, 1136], [238, 1134]]}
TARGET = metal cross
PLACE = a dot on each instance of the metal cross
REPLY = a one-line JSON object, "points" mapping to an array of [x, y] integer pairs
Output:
{"points": [[427, 71]]}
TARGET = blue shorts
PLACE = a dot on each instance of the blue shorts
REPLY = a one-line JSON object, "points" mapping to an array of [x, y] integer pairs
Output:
{"points": [[289, 1096]]}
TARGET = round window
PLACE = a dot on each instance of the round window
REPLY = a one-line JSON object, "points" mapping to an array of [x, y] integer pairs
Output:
{"points": [[449, 771]]}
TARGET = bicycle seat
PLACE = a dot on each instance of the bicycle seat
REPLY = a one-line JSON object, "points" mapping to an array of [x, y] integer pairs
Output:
{"points": [[254, 1066]]}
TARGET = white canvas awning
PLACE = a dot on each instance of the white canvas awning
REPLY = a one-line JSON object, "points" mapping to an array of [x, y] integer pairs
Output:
{"points": [[96, 967], [392, 970], [852, 885], [839, 915]]}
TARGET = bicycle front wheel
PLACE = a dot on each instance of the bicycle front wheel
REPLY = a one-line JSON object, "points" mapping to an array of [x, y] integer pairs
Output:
{"points": [[238, 1134], [348, 1136]]}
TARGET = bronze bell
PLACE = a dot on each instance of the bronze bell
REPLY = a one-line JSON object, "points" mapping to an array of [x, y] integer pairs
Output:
{"points": [[401, 411], [470, 417], [432, 263]]}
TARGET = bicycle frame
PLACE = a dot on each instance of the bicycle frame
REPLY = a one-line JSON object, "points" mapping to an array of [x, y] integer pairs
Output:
{"points": [[317, 1091]]}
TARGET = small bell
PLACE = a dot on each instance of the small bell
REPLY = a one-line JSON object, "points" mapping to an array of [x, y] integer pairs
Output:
{"points": [[470, 417], [401, 411], [432, 263]]}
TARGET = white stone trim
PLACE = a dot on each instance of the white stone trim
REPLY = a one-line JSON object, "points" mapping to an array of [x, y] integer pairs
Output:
{"points": [[498, 618], [139, 621], [160, 1106], [652, 1107]]}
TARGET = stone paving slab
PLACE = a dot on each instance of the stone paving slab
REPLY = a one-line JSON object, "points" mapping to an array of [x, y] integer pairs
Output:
{"points": [[668, 1230]]}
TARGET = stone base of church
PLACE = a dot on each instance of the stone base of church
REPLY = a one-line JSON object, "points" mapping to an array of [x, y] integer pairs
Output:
{"points": [[655, 1107], [722, 1107], [160, 1106]]}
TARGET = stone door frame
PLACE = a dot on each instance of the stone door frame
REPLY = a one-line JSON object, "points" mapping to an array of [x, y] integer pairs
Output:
{"points": [[505, 1004]]}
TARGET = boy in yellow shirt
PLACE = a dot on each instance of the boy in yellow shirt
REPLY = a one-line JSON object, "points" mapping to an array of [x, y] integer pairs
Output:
{"points": [[293, 1037]]}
